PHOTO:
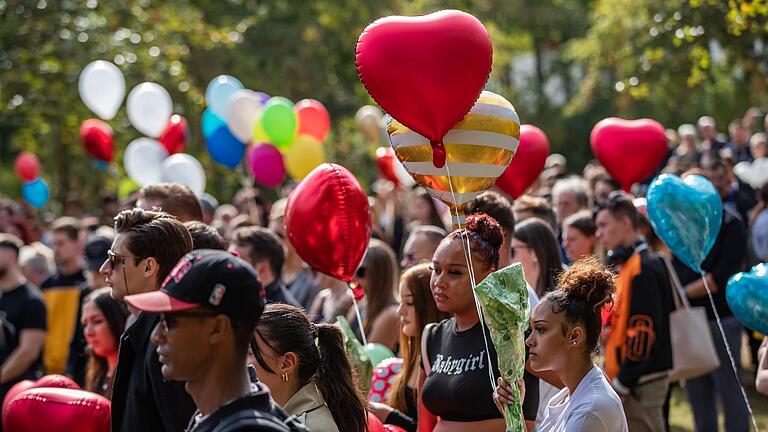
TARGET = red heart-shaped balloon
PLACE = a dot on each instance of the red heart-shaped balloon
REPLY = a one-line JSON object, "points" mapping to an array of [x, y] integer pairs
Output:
{"points": [[174, 137], [630, 150], [385, 161], [96, 136], [426, 71], [328, 221], [527, 163]]}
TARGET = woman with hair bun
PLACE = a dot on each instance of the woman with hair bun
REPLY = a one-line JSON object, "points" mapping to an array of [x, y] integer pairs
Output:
{"points": [[566, 329], [456, 392]]}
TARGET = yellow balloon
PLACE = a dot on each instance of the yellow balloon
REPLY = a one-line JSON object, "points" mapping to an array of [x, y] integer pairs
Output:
{"points": [[303, 156], [478, 150], [259, 136]]}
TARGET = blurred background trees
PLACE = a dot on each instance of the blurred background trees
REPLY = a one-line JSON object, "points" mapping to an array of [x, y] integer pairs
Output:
{"points": [[565, 64]]}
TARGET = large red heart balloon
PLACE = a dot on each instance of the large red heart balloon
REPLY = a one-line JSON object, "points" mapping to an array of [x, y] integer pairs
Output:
{"points": [[60, 409], [328, 221], [385, 161], [96, 136], [527, 163], [174, 137], [56, 381], [27, 166], [426, 71], [630, 150]]}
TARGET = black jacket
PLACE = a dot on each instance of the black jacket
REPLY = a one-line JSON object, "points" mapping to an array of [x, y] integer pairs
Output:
{"points": [[142, 400], [253, 412]]}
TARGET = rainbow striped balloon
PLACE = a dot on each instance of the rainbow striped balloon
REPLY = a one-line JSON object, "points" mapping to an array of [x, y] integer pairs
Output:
{"points": [[478, 149]]}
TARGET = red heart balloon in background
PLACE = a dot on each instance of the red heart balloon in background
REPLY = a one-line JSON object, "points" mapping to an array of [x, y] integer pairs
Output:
{"points": [[39, 409], [385, 160], [96, 136], [175, 135], [630, 150], [27, 166], [328, 221], [527, 163], [57, 381], [426, 71]]}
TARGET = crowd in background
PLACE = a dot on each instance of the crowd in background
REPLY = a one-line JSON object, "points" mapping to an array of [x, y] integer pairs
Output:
{"points": [[61, 316]]}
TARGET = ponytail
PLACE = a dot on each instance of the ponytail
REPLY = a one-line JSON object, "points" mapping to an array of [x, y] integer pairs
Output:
{"points": [[337, 382]]}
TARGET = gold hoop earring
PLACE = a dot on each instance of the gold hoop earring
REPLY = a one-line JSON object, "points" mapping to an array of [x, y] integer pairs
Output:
{"points": [[285, 377]]}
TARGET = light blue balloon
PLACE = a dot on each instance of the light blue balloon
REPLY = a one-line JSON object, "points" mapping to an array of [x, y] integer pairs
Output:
{"points": [[747, 295], [35, 192], [686, 215], [210, 122], [224, 147], [218, 92]]}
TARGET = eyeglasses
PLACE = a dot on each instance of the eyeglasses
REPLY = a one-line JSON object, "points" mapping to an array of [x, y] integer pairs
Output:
{"points": [[116, 259], [169, 321]]}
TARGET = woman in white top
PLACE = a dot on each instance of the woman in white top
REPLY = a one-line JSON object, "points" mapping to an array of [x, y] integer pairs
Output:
{"points": [[566, 328]]}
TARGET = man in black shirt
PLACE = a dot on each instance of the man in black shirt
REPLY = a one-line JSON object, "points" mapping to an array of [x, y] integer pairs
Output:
{"points": [[262, 249], [22, 308], [147, 246], [209, 307]]}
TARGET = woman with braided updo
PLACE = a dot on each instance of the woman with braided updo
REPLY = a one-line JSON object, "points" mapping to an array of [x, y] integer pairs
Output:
{"points": [[307, 370], [566, 328]]}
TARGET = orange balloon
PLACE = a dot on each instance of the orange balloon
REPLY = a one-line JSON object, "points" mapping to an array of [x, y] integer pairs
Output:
{"points": [[313, 119]]}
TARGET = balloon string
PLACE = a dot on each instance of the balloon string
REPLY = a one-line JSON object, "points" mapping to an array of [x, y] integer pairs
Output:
{"points": [[359, 319], [248, 194], [728, 349], [468, 257]]}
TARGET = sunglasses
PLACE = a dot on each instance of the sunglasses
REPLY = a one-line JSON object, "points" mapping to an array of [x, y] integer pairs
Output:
{"points": [[169, 321], [116, 259]]}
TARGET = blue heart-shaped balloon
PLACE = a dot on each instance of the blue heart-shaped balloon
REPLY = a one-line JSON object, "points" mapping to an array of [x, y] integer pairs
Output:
{"points": [[686, 215], [747, 295]]}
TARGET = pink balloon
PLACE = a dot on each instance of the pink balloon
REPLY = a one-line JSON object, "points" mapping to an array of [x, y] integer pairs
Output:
{"points": [[266, 164]]}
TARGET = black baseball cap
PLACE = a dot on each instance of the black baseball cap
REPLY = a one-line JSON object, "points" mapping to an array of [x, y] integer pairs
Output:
{"points": [[208, 278], [96, 249]]}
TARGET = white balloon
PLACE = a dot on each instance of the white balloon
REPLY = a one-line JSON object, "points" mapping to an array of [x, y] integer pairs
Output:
{"points": [[754, 173], [102, 88], [149, 106], [143, 161], [185, 169], [242, 111]]}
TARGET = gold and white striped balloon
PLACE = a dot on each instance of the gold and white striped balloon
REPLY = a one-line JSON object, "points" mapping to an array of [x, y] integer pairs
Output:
{"points": [[478, 150]]}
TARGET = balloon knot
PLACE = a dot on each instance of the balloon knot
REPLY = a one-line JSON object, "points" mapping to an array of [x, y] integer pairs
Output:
{"points": [[438, 153], [357, 290]]}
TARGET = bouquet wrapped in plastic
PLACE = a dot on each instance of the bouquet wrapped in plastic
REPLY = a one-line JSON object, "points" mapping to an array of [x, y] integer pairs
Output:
{"points": [[504, 299], [356, 353]]}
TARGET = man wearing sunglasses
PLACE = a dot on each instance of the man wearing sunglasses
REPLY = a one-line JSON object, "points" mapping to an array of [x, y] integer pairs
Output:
{"points": [[209, 306], [147, 246]]}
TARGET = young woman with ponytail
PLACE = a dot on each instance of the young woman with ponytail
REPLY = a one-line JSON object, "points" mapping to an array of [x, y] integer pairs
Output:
{"points": [[307, 370], [566, 328]]}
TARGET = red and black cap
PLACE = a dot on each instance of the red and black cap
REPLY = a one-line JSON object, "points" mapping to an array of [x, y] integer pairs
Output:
{"points": [[213, 279]]}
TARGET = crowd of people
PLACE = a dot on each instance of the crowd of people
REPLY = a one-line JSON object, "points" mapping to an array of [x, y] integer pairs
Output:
{"points": [[194, 315]]}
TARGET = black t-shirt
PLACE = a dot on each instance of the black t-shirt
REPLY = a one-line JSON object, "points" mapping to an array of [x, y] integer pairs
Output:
{"points": [[724, 260], [458, 386], [24, 308]]}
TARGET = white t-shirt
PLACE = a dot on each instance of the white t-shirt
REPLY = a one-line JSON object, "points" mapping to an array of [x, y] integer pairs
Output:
{"points": [[593, 407]]}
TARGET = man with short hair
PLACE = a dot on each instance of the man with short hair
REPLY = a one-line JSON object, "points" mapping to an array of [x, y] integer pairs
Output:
{"points": [[210, 305], [739, 144], [147, 246], [62, 293], [569, 196], [528, 206], [638, 350], [736, 195], [172, 198], [23, 322], [421, 245], [262, 249], [710, 142], [36, 262]]}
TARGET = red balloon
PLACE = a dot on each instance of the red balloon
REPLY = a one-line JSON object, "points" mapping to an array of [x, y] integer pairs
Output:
{"points": [[313, 119], [426, 71], [630, 150], [96, 136], [374, 424], [39, 409], [527, 163], [328, 221], [27, 166], [385, 160], [393, 428], [174, 137], [58, 381]]}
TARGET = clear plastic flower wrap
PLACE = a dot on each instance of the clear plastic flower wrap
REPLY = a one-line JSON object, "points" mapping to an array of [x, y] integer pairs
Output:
{"points": [[504, 299], [356, 353]]}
